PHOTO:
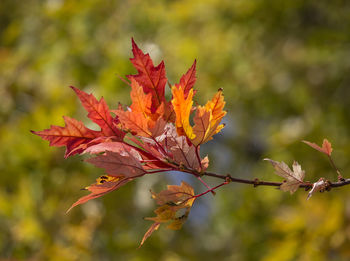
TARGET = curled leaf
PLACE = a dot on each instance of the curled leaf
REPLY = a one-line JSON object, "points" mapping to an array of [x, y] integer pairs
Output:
{"points": [[320, 185], [326, 147], [175, 205]]}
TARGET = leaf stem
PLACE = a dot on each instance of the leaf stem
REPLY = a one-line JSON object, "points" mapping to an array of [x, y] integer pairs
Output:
{"points": [[206, 185], [198, 157], [340, 177], [211, 190]]}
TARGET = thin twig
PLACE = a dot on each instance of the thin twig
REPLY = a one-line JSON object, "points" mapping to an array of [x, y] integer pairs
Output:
{"points": [[257, 182]]}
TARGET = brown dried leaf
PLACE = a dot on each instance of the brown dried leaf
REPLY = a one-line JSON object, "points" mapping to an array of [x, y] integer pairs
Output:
{"points": [[294, 178]]}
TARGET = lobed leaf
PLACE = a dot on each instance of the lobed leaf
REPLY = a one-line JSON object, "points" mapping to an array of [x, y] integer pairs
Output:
{"points": [[188, 80], [152, 79], [72, 135], [208, 118], [119, 163], [294, 178], [326, 146], [182, 108], [103, 185], [99, 113], [135, 122]]}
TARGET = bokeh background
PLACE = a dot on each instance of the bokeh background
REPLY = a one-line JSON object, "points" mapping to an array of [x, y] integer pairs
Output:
{"points": [[285, 70]]}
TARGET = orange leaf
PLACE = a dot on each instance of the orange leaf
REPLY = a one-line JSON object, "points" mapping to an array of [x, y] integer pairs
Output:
{"points": [[207, 119], [141, 102], [326, 146], [182, 107], [135, 122]]}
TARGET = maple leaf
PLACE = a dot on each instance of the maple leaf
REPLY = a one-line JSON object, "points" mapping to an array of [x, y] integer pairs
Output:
{"points": [[73, 134], [134, 122], [103, 185], [180, 151], [293, 178], [188, 80], [326, 147], [139, 119], [172, 202], [141, 102], [182, 107], [99, 113], [119, 163], [208, 118], [152, 79]]}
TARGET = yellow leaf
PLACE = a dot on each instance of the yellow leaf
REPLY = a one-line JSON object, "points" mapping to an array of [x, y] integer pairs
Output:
{"points": [[207, 119], [182, 108]]}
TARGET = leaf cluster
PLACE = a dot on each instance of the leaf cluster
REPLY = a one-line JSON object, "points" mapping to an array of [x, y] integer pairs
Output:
{"points": [[152, 135]]}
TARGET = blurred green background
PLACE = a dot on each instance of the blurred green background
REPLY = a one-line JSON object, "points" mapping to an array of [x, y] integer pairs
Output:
{"points": [[285, 70]]}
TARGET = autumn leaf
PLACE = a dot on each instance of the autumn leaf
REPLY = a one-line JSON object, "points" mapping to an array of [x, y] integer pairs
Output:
{"points": [[294, 178], [188, 80], [103, 185], [99, 113], [139, 119], [152, 79], [149, 232], [119, 163], [326, 147], [207, 119], [175, 195], [73, 134], [320, 185], [141, 102], [135, 122], [182, 107], [175, 205], [180, 151]]}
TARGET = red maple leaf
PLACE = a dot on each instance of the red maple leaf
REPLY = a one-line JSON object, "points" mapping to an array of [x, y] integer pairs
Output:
{"points": [[188, 80], [75, 135], [152, 79]]}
